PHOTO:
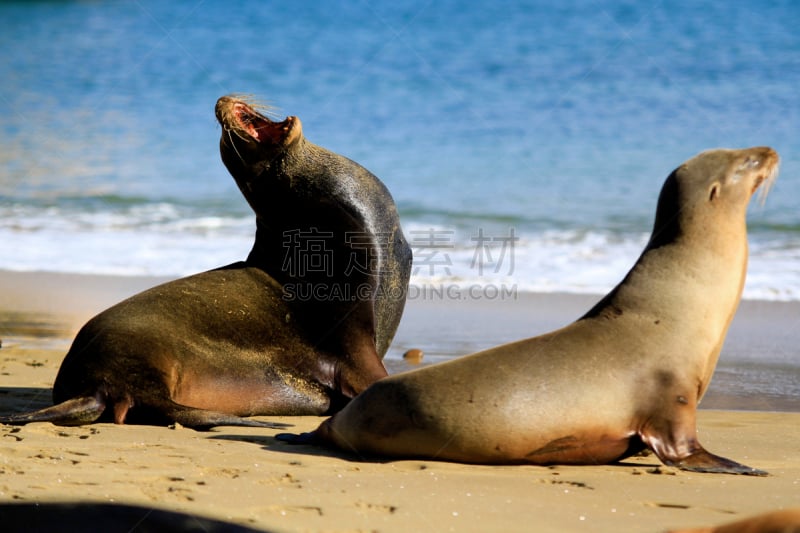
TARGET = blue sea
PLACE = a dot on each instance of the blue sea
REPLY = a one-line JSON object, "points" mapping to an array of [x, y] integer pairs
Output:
{"points": [[527, 140]]}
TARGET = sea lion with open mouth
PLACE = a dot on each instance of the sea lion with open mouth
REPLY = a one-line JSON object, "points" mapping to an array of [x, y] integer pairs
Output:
{"points": [[298, 328]]}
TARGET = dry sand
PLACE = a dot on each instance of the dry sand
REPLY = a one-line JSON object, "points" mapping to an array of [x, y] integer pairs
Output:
{"points": [[244, 476]]}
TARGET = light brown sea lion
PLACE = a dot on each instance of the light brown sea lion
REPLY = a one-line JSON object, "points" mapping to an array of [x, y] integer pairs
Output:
{"points": [[298, 328], [783, 521], [627, 375]]}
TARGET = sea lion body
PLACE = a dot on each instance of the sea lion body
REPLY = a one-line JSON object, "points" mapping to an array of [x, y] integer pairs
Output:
{"points": [[298, 328], [627, 375]]}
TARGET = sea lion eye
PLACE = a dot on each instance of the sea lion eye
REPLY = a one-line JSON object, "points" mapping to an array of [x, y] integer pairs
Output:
{"points": [[750, 162]]}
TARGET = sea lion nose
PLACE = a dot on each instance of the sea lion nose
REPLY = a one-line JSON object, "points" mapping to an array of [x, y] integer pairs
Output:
{"points": [[223, 103]]}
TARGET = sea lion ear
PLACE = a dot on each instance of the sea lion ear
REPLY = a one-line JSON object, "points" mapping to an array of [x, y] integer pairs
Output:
{"points": [[713, 191]]}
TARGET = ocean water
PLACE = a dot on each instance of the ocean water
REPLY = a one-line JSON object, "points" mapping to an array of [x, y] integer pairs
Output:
{"points": [[525, 143]]}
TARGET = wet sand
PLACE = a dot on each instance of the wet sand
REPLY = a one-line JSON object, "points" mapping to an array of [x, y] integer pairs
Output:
{"points": [[244, 476]]}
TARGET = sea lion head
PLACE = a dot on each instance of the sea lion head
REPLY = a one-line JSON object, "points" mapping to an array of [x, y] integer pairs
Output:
{"points": [[732, 176], [711, 190], [251, 142]]}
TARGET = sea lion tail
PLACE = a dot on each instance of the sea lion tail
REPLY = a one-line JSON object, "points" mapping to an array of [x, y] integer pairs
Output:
{"points": [[73, 412]]}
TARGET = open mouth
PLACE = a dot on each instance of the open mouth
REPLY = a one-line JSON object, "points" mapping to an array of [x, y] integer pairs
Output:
{"points": [[259, 127], [243, 120]]}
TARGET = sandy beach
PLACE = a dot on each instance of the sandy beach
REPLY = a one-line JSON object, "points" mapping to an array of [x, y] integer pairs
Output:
{"points": [[244, 476]]}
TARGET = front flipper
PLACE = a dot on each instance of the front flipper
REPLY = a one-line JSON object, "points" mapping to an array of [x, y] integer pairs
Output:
{"points": [[703, 461], [672, 435], [360, 369]]}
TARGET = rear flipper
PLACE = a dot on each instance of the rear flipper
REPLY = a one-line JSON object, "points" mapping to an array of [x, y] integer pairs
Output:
{"points": [[310, 438], [88, 409], [73, 412], [703, 461], [200, 419], [319, 437]]}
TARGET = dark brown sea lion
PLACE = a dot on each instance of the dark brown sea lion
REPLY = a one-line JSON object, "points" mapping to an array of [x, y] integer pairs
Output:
{"points": [[627, 375], [298, 328]]}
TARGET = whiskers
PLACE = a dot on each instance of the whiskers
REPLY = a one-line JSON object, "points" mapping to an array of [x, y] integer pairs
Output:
{"points": [[265, 108], [233, 144], [234, 128], [767, 184]]}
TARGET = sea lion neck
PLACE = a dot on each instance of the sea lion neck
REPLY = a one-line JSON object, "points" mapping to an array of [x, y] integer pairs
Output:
{"points": [[700, 225]]}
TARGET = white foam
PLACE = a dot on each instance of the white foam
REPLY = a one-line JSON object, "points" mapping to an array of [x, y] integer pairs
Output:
{"points": [[549, 261], [593, 262]]}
